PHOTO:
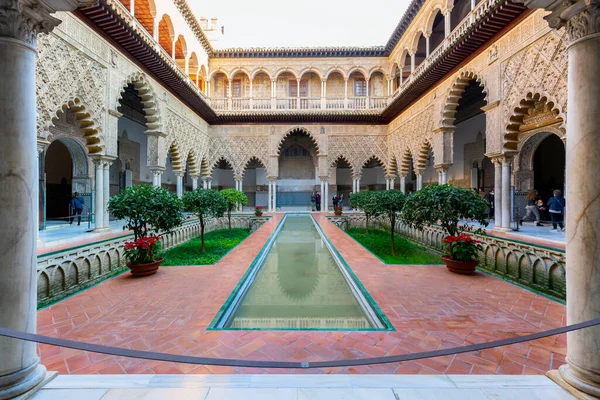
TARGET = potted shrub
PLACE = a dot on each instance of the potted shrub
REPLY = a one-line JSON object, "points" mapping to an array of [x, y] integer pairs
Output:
{"points": [[337, 210], [234, 199], [146, 209], [452, 208], [204, 203], [258, 211]]}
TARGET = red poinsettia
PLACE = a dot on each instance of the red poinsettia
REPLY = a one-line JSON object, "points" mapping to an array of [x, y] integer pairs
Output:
{"points": [[144, 250], [462, 247]]}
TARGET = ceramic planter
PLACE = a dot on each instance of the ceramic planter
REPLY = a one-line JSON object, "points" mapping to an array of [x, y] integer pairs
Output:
{"points": [[145, 269], [460, 267]]}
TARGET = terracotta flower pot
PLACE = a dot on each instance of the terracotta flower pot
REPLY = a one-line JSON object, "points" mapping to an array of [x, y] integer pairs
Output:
{"points": [[460, 267], [338, 213], [256, 214], [145, 269]]}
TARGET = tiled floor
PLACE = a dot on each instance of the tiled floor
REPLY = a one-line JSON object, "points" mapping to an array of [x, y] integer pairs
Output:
{"points": [[429, 307], [295, 387]]}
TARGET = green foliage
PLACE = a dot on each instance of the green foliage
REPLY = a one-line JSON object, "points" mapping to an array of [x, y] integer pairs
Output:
{"points": [[204, 203], [367, 202], [233, 198], [446, 205], [407, 252], [146, 209], [218, 243], [390, 203]]}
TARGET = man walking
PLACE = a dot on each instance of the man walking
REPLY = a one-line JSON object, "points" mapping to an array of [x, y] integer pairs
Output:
{"points": [[77, 203]]}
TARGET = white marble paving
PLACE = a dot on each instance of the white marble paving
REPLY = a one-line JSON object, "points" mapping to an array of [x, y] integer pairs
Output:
{"points": [[99, 381], [252, 394], [345, 394], [69, 394], [501, 381], [157, 394], [440, 394], [302, 387]]}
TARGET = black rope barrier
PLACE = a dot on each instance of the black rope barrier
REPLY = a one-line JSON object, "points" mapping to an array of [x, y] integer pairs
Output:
{"points": [[177, 358]]}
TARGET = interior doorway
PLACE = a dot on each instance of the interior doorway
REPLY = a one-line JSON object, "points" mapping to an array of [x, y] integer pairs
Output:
{"points": [[59, 178]]}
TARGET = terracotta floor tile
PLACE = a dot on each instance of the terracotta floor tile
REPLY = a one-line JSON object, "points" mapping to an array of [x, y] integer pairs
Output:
{"points": [[429, 307]]}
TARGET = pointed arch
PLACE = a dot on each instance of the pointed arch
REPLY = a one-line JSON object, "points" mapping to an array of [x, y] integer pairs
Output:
{"points": [[217, 161], [191, 163], [518, 112], [176, 158], [149, 99], [405, 160], [421, 159], [392, 168], [253, 159], [259, 70], [339, 70], [284, 70], [307, 132], [339, 158], [455, 93], [91, 133], [368, 160], [238, 70], [308, 70]]}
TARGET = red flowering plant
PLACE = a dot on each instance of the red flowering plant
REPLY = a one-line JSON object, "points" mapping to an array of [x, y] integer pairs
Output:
{"points": [[258, 210], [337, 210], [143, 250], [462, 247]]}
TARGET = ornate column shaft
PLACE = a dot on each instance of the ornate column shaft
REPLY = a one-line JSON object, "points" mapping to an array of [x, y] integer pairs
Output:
{"points": [[194, 182], [506, 193], [157, 175], [99, 200], [20, 22], [497, 192], [322, 194], [419, 174], [179, 175], [403, 183], [582, 21], [326, 198], [274, 196], [270, 202], [106, 193]]}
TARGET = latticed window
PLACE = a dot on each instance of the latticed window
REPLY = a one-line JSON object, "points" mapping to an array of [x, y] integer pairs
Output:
{"points": [[360, 88]]}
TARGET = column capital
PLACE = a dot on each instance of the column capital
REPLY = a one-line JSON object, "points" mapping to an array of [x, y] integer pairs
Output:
{"points": [[195, 176], [114, 113], [180, 174], [207, 178], [102, 160], [272, 178], [442, 167], [418, 171], [156, 169], [42, 144], [580, 18]]}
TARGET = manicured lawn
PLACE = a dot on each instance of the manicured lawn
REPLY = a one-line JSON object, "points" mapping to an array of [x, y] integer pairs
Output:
{"points": [[217, 244], [407, 252]]}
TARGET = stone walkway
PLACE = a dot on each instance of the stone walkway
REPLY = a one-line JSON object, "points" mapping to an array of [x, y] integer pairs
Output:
{"points": [[429, 307], [302, 387]]}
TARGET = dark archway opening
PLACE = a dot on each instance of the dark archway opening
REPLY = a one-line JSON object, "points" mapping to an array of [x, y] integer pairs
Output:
{"points": [[59, 177], [549, 167]]}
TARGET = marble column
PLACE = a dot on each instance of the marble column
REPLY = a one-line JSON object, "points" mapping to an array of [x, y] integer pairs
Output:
{"points": [[157, 176], [20, 22], [403, 183], [419, 174], [357, 185], [322, 195], [582, 21], [497, 193], [204, 184], [179, 176], [274, 196], [194, 182], [270, 202], [106, 194], [392, 180], [210, 183], [387, 184], [506, 193], [326, 198], [99, 199]]}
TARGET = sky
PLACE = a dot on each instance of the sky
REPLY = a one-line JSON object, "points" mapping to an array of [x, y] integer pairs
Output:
{"points": [[304, 23]]}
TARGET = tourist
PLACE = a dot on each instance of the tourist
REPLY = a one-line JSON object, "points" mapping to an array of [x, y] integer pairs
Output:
{"points": [[490, 200], [77, 203], [532, 207], [318, 201], [556, 208], [349, 204], [335, 201], [313, 198], [341, 200]]}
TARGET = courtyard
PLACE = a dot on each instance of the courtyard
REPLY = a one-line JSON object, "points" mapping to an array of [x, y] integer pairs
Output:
{"points": [[429, 308]]}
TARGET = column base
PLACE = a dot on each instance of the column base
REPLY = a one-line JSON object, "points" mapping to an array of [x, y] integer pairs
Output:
{"points": [[25, 383], [100, 230], [502, 229], [574, 383]]}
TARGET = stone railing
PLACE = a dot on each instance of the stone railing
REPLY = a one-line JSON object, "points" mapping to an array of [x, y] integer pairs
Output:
{"points": [[70, 270], [537, 267], [298, 103]]}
